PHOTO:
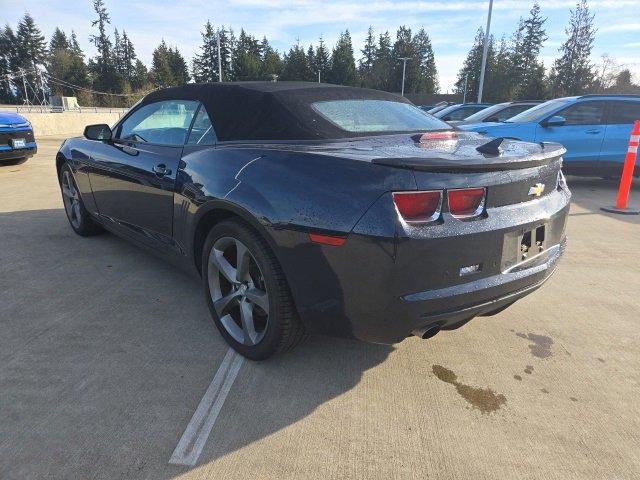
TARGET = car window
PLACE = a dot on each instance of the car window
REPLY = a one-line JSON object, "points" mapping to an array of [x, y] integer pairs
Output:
{"points": [[537, 113], [486, 113], [461, 114], [583, 113], [623, 112], [376, 116], [202, 130], [162, 123], [512, 111]]}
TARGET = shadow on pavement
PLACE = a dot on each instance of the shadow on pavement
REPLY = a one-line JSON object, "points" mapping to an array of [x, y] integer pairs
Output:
{"points": [[106, 351]]}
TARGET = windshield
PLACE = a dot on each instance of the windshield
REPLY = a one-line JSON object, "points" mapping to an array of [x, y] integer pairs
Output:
{"points": [[485, 113], [448, 109], [539, 111], [376, 116]]}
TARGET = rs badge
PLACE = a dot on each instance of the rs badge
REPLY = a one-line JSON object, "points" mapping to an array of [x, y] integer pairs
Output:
{"points": [[537, 189]]}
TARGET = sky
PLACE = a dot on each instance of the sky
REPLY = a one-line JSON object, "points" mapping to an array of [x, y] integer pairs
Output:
{"points": [[450, 24]]}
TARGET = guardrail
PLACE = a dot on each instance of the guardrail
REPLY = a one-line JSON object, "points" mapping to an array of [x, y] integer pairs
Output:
{"points": [[55, 109]]}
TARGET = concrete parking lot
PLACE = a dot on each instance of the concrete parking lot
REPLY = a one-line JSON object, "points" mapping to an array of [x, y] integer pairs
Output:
{"points": [[106, 353]]}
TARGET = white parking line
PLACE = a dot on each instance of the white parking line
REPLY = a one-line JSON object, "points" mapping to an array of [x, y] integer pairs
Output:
{"points": [[195, 435]]}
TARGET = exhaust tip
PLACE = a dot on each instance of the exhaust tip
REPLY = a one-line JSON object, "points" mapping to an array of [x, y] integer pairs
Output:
{"points": [[428, 332]]}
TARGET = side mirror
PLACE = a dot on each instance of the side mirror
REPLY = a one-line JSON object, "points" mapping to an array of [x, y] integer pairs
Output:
{"points": [[554, 121], [100, 131]]}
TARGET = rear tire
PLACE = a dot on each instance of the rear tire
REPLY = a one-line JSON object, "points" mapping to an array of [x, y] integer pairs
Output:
{"points": [[247, 293], [79, 218]]}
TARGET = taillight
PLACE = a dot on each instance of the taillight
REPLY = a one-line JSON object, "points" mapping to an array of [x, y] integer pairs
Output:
{"points": [[418, 207], [466, 202]]}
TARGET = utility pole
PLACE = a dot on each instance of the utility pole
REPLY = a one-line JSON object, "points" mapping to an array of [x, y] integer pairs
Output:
{"points": [[464, 95], [484, 52], [319, 76], [219, 58], [44, 97], [24, 85], [404, 70]]}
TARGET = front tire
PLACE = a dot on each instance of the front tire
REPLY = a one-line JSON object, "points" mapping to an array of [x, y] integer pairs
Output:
{"points": [[78, 216], [247, 293]]}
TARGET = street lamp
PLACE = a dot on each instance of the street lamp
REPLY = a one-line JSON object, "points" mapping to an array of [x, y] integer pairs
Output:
{"points": [[404, 70], [484, 52]]}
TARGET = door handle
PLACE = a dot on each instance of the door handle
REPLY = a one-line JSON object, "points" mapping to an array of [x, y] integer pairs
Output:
{"points": [[161, 170], [593, 131]]}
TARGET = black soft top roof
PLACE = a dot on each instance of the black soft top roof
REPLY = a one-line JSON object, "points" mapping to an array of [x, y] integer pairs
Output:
{"points": [[269, 110]]}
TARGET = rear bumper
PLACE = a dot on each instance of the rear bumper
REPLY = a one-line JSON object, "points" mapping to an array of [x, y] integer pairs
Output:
{"points": [[14, 154]]}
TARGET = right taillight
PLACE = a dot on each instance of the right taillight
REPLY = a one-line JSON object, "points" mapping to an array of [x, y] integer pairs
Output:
{"points": [[466, 202], [418, 207]]}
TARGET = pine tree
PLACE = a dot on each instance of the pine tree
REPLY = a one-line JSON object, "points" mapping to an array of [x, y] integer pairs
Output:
{"points": [[500, 84], [573, 73], [366, 63], [528, 71], [404, 48], [205, 64], [271, 61], [105, 75], [343, 63], [178, 66], [471, 68], [322, 61], [427, 75], [247, 59], [295, 64], [383, 64], [8, 62], [160, 69], [31, 50], [58, 40], [140, 77], [129, 57]]}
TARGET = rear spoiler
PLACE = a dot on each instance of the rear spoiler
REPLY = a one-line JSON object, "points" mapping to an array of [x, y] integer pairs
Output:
{"points": [[550, 153]]}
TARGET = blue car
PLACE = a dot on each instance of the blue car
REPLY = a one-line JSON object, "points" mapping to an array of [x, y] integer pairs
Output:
{"points": [[16, 138], [459, 111], [594, 129]]}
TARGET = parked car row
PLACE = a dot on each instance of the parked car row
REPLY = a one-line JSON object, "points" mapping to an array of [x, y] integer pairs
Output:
{"points": [[594, 129]]}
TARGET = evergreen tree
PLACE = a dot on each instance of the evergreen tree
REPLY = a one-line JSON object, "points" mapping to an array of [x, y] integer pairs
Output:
{"points": [[404, 48], [471, 68], [366, 63], [295, 64], [129, 57], [169, 67], [178, 67], [383, 64], [105, 75], [75, 46], [427, 75], [31, 50], [500, 84], [527, 70], [247, 58], [343, 64], [311, 59], [573, 73], [8, 62], [58, 41], [205, 64], [271, 61], [140, 77], [322, 61]]}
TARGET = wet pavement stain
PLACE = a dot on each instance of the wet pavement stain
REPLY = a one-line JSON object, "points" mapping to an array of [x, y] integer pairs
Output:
{"points": [[529, 369], [517, 377], [484, 399], [601, 360], [573, 399], [544, 390], [541, 346]]}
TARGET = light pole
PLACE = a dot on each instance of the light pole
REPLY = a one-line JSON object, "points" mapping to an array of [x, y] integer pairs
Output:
{"points": [[464, 95], [484, 52], [219, 58], [404, 70]]}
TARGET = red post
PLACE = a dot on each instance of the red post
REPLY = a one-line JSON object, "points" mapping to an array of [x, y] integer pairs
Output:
{"points": [[622, 201]]}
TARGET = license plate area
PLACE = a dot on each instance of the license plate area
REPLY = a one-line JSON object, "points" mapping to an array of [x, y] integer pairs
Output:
{"points": [[18, 143], [521, 246]]}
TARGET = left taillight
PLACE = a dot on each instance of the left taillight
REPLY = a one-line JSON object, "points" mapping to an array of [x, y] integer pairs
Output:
{"points": [[466, 202], [418, 207]]}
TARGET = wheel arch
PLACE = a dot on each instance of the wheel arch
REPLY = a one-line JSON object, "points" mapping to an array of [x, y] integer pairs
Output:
{"points": [[216, 211]]}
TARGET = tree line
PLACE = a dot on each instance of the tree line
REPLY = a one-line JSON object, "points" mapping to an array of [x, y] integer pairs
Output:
{"points": [[31, 68], [515, 71]]}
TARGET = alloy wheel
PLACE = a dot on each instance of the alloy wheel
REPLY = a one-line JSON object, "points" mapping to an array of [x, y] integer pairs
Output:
{"points": [[238, 291], [71, 200]]}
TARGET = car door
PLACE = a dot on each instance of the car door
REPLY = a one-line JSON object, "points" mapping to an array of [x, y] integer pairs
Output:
{"points": [[582, 133], [619, 122], [133, 175]]}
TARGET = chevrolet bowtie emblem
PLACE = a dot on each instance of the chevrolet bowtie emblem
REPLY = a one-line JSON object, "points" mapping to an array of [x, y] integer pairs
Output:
{"points": [[537, 189]]}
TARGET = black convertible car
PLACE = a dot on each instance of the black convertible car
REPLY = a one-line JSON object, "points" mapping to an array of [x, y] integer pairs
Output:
{"points": [[316, 208]]}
